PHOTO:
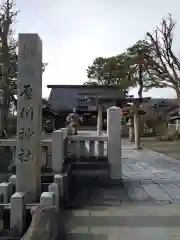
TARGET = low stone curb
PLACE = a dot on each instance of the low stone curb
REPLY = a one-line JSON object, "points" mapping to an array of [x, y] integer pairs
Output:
{"points": [[161, 155]]}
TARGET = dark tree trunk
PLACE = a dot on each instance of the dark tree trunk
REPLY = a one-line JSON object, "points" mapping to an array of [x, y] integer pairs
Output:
{"points": [[4, 113], [136, 112]]}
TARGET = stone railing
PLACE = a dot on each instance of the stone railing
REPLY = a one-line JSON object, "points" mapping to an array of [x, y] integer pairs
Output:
{"points": [[46, 145], [58, 190], [17, 205], [87, 145], [171, 128], [174, 127], [90, 144], [61, 145]]}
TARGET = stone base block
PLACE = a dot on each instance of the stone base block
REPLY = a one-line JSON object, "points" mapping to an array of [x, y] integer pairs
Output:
{"points": [[115, 171], [18, 214], [5, 192], [53, 187], [62, 181], [47, 199], [12, 180]]}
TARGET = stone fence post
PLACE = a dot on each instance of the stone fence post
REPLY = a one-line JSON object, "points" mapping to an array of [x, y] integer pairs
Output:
{"points": [[58, 149], [18, 214], [99, 119], [47, 199], [114, 141]]}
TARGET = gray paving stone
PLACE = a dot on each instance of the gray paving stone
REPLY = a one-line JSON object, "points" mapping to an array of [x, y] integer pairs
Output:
{"points": [[125, 177], [126, 169], [144, 165], [172, 190], [127, 160], [126, 222], [147, 181], [110, 196], [130, 165], [166, 181], [87, 236], [156, 174], [137, 194], [155, 192], [177, 183], [134, 175], [149, 165], [142, 171]]}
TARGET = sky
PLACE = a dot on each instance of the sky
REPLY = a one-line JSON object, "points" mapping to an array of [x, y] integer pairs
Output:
{"points": [[75, 32]]}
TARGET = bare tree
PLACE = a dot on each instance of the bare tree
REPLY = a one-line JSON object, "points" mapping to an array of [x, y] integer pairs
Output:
{"points": [[7, 53], [138, 72], [137, 108], [163, 62]]}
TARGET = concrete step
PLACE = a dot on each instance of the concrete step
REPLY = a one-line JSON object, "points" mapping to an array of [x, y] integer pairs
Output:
{"points": [[90, 165], [72, 159], [85, 179], [125, 221], [89, 173]]}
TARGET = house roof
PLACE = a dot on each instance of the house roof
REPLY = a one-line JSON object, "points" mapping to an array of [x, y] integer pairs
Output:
{"points": [[67, 97], [164, 105], [84, 86], [46, 110]]}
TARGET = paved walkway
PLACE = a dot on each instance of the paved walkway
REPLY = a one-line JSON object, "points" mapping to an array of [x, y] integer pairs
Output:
{"points": [[152, 175], [148, 177], [144, 208], [127, 222]]}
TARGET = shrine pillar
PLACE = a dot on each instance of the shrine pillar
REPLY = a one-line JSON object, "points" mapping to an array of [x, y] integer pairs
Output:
{"points": [[29, 117]]}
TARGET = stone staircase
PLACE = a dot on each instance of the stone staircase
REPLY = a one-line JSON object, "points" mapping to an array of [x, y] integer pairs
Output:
{"points": [[125, 222], [87, 173], [90, 167]]}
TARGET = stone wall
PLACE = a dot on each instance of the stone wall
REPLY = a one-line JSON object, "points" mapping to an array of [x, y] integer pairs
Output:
{"points": [[173, 128]]}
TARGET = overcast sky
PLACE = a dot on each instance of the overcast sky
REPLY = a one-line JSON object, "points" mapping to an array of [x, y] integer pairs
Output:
{"points": [[74, 32]]}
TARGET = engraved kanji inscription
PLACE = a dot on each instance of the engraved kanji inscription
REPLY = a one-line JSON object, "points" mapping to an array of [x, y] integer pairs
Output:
{"points": [[24, 156], [30, 112], [22, 134], [29, 134], [28, 156], [27, 92], [22, 113], [27, 112], [20, 155]]}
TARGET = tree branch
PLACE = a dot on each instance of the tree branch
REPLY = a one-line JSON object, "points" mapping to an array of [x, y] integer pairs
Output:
{"points": [[163, 63]]}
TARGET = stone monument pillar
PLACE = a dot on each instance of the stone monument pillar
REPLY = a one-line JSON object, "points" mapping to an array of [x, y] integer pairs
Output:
{"points": [[29, 118], [114, 141]]}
